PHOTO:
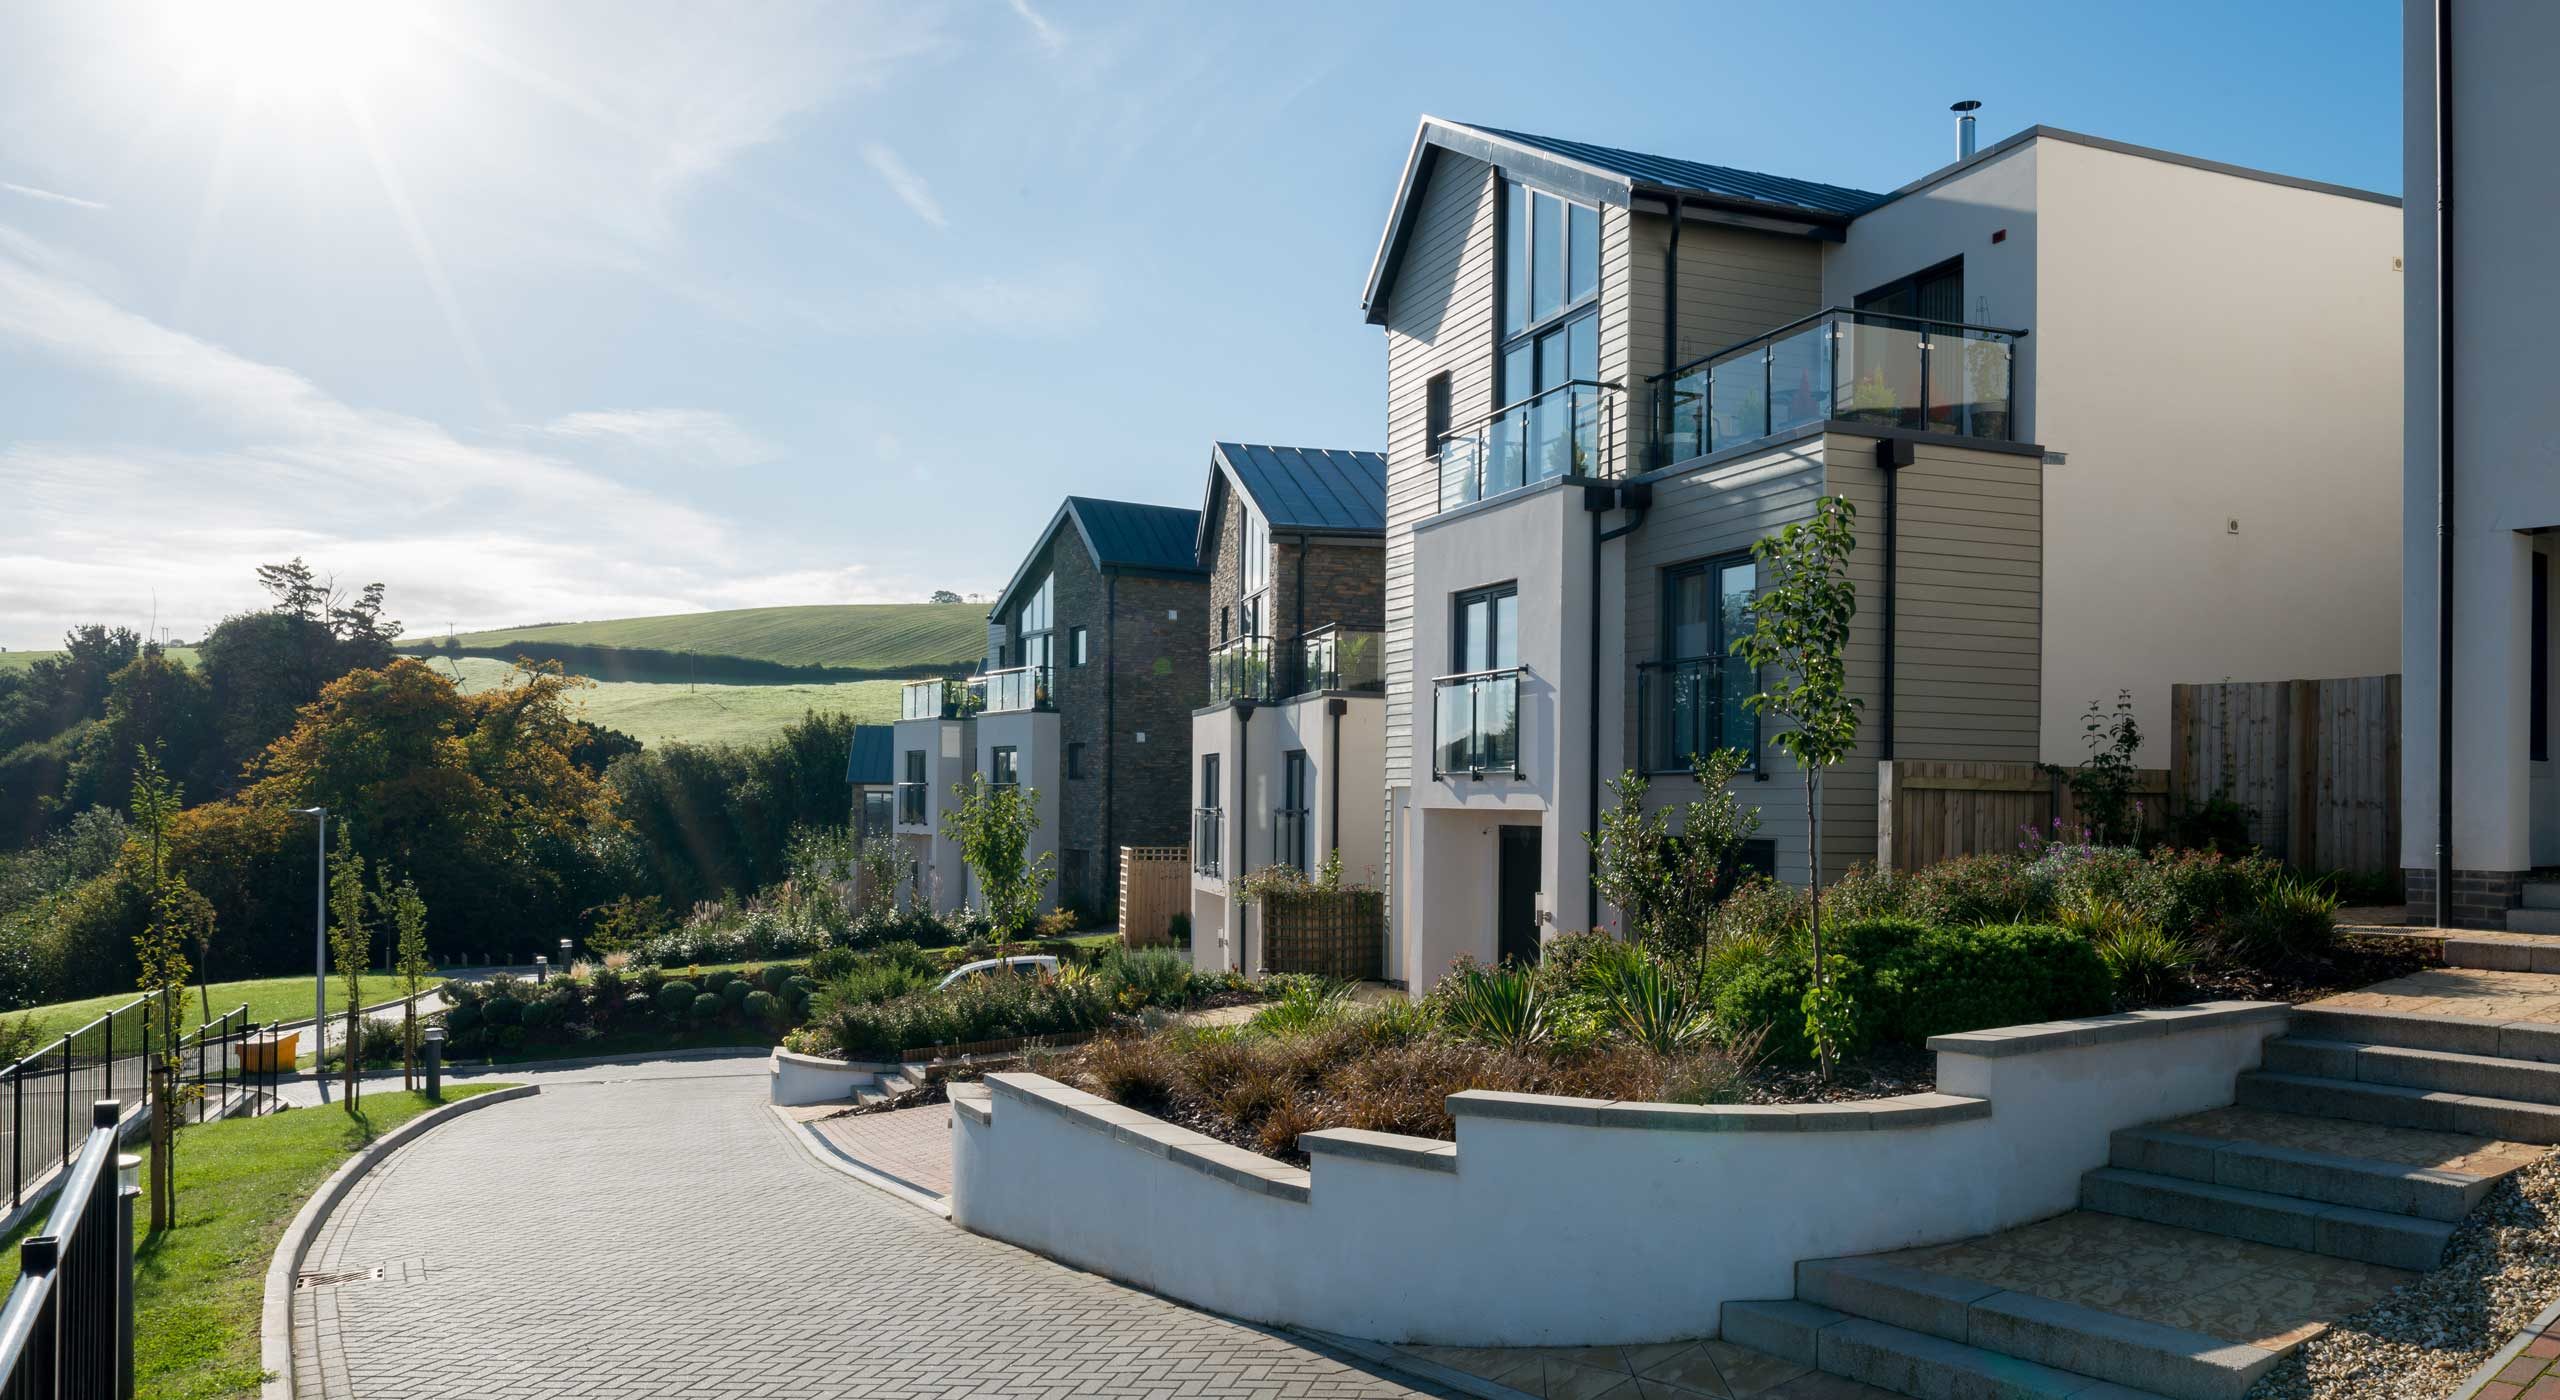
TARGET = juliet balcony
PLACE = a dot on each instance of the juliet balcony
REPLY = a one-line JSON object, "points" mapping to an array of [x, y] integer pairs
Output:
{"points": [[1475, 724], [1850, 366]]}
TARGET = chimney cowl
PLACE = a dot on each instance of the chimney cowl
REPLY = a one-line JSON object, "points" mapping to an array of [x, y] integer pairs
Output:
{"points": [[1964, 127]]}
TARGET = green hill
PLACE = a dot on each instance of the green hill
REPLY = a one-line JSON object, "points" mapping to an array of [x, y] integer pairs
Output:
{"points": [[861, 637], [21, 660], [708, 713]]}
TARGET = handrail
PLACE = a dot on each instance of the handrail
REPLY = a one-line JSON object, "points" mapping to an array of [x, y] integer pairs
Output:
{"points": [[1825, 314], [43, 1261], [1613, 386], [1480, 675]]}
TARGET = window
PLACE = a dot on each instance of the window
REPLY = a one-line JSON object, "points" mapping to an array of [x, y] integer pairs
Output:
{"points": [[1003, 768], [1076, 647], [1289, 831], [1936, 294], [1550, 340], [911, 790], [1487, 635], [2538, 723], [1226, 631], [1436, 412], [875, 813], [1256, 564], [1075, 759], [1208, 821], [1690, 700], [1033, 624], [1210, 793]]}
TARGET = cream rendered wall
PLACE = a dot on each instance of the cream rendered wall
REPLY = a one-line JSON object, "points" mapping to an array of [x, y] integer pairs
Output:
{"points": [[1034, 737], [1217, 941], [949, 751], [2507, 459]]}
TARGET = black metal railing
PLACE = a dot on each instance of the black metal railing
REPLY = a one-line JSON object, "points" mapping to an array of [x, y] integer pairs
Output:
{"points": [[1290, 830], [102, 1060], [66, 1332], [1208, 840], [1569, 430], [944, 698], [1240, 669], [1335, 657], [1691, 707], [1475, 724], [1854, 366], [1020, 688]]}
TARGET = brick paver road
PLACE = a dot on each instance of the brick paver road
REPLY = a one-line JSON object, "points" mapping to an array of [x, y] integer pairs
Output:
{"points": [[664, 1237]]}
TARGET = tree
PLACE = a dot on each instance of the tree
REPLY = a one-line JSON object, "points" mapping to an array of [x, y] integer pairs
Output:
{"points": [[945, 595], [879, 865], [350, 947], [1668, 881], [161, 950], [1800, 630], [406, 910], [993, 826]]}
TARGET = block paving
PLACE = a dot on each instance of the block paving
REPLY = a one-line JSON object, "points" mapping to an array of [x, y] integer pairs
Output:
{"points": [[2532, 1375], [666, 1238]]}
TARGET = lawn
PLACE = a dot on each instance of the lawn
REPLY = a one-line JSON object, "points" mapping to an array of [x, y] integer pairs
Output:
{"points": [[862, 636], [199, 1287], [268, 998], [657, 712]]}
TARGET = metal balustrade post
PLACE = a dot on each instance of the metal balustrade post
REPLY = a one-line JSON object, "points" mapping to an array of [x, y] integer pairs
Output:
{"points": [[17, 1133], [66, 1098]]}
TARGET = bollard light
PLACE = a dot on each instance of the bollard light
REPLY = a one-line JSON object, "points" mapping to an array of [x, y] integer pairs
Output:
{"points": [[565, 959], [433, 1044], [129, 1172], [541, 971]]}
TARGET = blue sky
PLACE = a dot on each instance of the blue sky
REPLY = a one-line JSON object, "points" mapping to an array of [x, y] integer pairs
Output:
{"points": [[582, 310]]}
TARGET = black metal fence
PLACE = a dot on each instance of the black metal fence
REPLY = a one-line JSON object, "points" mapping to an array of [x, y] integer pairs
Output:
{"points": [[110, 1058], [66, 1330]]}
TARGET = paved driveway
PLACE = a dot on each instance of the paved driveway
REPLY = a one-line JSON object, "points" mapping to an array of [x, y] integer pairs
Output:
{"points": [[657, 1233]]}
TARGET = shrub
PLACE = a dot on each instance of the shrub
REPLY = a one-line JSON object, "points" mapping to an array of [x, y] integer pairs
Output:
{"points": [[464, 1016], [1967, 979], [1180, 932], [982, 1008], [1766, 1000], [773, 977], [1135, 977], [735, 992], [2292, 919], [2146, 965], [828, 964], [706, 1006], [1057, 923], [676, 998], [540, 1015], [1304, 1004], [1980, 890], [1501, 1007], [1761, 911], [502, 1011], [1658, 1007], [761, 1005], [1867, 892]]}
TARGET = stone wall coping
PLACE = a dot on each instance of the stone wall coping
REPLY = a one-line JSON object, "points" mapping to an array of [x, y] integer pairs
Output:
{"points": [[1389, 1149], [2004, 1041], [1906, 1111], [830, 1062], [970, 1102], [275, 1322], [1181, 1146]]}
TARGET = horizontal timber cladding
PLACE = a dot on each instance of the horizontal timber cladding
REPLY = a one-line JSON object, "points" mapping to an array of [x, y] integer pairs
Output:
{"points": [[2314, 763]]}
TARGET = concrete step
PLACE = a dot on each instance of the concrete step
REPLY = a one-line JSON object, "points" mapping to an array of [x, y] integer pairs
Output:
{"points": [[2002, 1361], [2369, 1183], [895, 1082], [2460, 1035], [2526, 1081], [2432, 1109], [2532, 920], [2341, 1232], [2542, 894]]}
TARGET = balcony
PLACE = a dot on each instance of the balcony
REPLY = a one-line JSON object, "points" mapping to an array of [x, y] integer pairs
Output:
{"points": [[1854, 366], [910, 804], [937, 699], [1291, 828], [1475, 724], [1241, 670], [1569, 430], [1021, 688], [1208, 840], [1335, 657], [1687, 708]]}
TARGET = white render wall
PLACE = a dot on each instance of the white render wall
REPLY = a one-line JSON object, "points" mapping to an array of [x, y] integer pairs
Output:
{"points": [[2205, 348], [1297, 723], [1034, 737], [1561, 1222], [2507, 459], [949, 749]]}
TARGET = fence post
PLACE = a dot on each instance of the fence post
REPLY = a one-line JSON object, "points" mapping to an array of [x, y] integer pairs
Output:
{"points": [[66, 1098], [125, 1194], [17, 1131]]}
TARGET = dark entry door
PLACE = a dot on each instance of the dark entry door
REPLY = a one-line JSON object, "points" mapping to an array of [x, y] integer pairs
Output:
{"points": [[1516, 898]]}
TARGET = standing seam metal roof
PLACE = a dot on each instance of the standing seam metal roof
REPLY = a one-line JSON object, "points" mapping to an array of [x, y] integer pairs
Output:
{"points": [[1311, 488], [870, 760], [1672, 174], [1126, 535]]}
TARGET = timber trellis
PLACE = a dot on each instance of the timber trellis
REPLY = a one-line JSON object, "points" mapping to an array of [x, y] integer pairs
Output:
{"points": [[1155, 885], [2316, 763], [1341, 934]]}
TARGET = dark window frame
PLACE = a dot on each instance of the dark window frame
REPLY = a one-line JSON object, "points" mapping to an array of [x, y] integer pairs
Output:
{"points": [[1532, 330], [1078, 646], [2538, 721], [1212, 792], [1437, 412], [1912, 280], [1458, 603], [1665, 627], [1296, 791], [1075, 758], [1004, 766]]}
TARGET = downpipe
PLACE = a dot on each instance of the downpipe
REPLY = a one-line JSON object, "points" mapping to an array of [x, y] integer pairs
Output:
{"points": [[2444, 464], [1597, 498]]}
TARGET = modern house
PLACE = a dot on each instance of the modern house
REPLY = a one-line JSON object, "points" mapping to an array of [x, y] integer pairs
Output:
{"points": [[2112, 418], [1093, 667], [870, 775], [2482, 488], [1285, 757]]}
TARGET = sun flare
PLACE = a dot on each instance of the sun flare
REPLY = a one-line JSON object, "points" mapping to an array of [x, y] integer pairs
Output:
{"points": [[289, 48]]}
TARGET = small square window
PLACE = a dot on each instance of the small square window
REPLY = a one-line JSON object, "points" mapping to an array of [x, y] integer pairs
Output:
{"points": [[1075, 760], [1076, 646]]}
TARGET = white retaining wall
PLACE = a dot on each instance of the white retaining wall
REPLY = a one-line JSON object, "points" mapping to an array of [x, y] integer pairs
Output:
{"points": [[1555, 1221], [799, 1080]]}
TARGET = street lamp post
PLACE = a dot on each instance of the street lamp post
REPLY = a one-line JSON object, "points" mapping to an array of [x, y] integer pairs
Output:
{"points": [[319, 940]]}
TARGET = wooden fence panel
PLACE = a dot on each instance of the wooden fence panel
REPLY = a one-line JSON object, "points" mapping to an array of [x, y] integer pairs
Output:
{"points": [[1155, 885], [1331, 933], [2315, 764], [1930, 810]]}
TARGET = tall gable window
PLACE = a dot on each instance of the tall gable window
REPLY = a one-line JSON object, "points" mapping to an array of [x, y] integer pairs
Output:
{"points": [[1034, 625], [1547, 389]]}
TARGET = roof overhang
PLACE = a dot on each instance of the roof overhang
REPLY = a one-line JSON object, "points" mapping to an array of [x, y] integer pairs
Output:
{"points": [[1022, 574], [1569, 178]]}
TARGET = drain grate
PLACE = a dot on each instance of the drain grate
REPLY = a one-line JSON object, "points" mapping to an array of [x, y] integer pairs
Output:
{"points": [[325, 1278]]}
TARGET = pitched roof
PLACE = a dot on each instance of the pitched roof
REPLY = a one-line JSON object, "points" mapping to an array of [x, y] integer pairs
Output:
{"points": [[1606, 175], [1118, 536], [870, 760], [1317, 490]]}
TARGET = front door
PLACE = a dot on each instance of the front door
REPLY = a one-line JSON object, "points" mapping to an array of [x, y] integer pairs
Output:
{"points": [[1516, 898]]}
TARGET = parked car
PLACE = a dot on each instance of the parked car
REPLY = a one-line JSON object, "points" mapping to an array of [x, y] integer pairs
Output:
{"points": [[1028, 965]]}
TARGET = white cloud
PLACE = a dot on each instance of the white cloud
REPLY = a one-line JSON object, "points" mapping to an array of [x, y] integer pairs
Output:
{"points": [[32, 192], [907, 185], [680, 436], [1047, 33]]}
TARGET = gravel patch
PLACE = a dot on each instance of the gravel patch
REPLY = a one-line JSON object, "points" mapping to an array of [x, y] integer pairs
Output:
{"points": [[2425, 1338]]}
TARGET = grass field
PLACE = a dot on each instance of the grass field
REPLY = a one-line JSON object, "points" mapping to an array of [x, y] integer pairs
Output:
{"points": [[862, 636], [268, 998], [701, 714], [199, 1286], [21, 660]]}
